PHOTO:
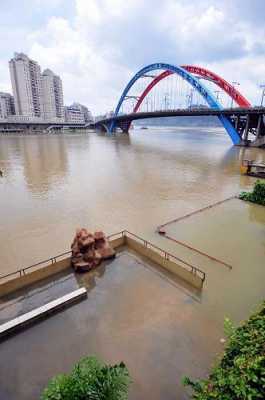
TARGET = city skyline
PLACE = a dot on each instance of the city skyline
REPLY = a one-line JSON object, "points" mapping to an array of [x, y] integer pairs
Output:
{"points": [[37, 94]]}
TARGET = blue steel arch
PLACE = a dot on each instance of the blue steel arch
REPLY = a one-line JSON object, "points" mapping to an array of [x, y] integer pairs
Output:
{"points": [[194, 82]]}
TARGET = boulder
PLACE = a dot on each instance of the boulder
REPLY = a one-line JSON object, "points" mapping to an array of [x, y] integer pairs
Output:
{"points": [[106, 252], [88, 250], [83, 266]]}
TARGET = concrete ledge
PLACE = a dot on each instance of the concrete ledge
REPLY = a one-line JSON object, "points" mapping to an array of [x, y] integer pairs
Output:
{"points": [[169, 265], [52, 266], [45, 271], [39, 313], [34, 276]]}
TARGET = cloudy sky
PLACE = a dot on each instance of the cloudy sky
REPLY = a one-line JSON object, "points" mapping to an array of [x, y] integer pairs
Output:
{"points": [[97, 45]]}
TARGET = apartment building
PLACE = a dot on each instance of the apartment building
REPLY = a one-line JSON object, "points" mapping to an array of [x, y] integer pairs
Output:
{"points": [[83, 109], [73, 115], [52, 96], [7, 105], [26, 84], [39, 96]]}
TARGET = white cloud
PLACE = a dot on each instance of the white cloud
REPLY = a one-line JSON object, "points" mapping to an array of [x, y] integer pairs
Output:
{"points": [[105, 42]]}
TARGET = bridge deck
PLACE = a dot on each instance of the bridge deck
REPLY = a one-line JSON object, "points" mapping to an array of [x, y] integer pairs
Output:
{"points": [[185, 113]]}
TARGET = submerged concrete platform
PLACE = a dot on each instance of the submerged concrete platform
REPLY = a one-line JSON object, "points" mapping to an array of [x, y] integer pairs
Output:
{"points": [[39, 293], [17, 324], [133, 312]]}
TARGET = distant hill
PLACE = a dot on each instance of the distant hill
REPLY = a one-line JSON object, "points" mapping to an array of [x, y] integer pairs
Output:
{"points": [[180, 121]]}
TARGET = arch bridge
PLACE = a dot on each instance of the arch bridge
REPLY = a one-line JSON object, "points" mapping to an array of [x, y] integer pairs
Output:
{"points": [[244, 124]]}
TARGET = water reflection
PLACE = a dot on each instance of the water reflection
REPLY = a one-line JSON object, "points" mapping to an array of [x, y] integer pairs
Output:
{"points": [[43, 160], [45, 163], [257, 214]]}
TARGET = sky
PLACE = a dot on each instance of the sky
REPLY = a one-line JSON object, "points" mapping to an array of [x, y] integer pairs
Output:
{"points": [[96, 46]]}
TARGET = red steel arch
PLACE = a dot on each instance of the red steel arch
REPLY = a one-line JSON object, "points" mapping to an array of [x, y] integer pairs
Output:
{"points": [[222, 83]]}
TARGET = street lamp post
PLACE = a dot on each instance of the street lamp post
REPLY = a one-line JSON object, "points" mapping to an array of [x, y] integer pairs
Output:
{"points": [[262, 94], [166, 100], [189, 98], [232, 99], [217, 92]]}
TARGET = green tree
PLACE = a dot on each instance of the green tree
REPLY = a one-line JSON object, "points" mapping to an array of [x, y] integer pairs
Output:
{"points": [[257, 195], [90, 380], [240, 374]]}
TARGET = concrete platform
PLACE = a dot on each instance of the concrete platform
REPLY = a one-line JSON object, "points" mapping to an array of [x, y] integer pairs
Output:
{"points": [[17, 324], [133, 312], [36, 295]]}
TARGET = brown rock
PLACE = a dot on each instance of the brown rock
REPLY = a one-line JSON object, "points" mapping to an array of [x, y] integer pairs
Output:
{"points": [[78, 233], [75, 249], [88, 250], [83, 266], [97, 258], [86, 242], [106, 252], [99, 235], [89, 255]]}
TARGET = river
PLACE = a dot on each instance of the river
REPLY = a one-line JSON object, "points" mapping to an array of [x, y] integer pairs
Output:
{"points": [[53, 184]]}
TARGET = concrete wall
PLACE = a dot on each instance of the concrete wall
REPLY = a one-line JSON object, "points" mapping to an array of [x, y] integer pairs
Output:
{"points": [[171, 266], [51, 269], [44, 272], [34, 276]]}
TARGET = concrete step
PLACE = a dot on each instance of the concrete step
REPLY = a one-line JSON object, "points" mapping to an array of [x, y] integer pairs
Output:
{"points": [[18, 323]]}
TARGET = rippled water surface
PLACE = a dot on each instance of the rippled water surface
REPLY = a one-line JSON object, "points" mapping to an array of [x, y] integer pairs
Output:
{"points": [[53, 184]]}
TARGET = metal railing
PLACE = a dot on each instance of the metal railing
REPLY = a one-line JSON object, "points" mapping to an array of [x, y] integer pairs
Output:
{"points": [[168, 256], [23, 271]]}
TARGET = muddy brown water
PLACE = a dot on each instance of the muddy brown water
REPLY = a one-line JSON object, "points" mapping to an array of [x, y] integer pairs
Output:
{"points": [[53, 184]]}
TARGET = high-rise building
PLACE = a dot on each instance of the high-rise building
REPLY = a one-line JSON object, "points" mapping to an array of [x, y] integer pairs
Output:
{"points": [[7, 106], [52, 96], [39, 96], [77, 114], [26, 84], [73, 115], [83, 109]]}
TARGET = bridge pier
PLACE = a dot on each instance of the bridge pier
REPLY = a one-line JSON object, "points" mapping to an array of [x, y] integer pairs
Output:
{"points": [[246, 131], [124, 126], [250, 123], [259, 126], [110, 128]]}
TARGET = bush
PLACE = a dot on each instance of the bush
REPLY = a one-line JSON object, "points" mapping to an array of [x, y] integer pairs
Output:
{"points": [[240, 375], [90, 380], [258, 194]]}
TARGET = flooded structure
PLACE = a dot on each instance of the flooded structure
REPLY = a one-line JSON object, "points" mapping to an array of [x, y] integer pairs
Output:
{"points": [[253, 168], [31, 296], [145, 306]]}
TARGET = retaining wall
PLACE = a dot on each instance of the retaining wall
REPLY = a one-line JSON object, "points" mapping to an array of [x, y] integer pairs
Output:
{"points": [[50, 269]]}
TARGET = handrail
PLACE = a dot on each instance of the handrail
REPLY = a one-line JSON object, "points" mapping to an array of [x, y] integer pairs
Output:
{"points": [[191, 268], [22, 271]]}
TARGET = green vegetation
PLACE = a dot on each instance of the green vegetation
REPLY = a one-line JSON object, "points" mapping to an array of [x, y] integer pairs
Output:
{"points": [[90, 379], [240, 375], [258, 194]]}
